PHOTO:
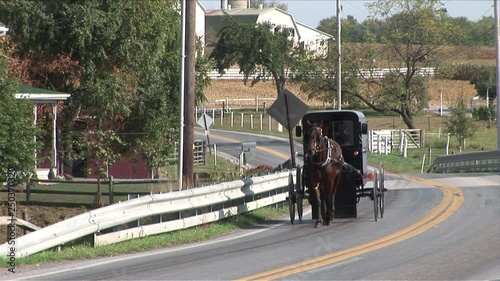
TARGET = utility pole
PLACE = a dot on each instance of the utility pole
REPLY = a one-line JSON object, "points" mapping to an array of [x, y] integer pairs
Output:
{"points": [[189, 93], [497, 45], [339, 60], [182, 71]]}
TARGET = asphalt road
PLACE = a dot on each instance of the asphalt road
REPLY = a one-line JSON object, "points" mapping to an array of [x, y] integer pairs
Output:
{"points": [[435, 227], [269, 150]]}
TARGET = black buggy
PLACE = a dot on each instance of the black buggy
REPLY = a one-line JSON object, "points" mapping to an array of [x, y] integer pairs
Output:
{"points": [[350, 130]]}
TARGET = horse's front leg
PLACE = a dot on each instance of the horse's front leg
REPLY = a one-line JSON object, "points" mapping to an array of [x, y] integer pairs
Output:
{"points": [[318, 207], [326, 208]]}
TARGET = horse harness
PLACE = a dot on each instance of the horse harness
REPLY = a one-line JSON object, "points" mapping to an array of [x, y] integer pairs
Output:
{"points": [[329, 159]]}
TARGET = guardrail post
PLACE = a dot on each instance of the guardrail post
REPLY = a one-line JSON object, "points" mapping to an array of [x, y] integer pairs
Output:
{"points": [[111, 195], [241, 119], [232, 119]]}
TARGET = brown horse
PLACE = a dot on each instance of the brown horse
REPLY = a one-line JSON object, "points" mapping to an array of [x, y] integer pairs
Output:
{"points": [[323, 166]]}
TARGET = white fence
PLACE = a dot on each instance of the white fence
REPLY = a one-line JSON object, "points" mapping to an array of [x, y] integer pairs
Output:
{"points": [[259, 104], [222, 200], [384, 141], [234, 74]]}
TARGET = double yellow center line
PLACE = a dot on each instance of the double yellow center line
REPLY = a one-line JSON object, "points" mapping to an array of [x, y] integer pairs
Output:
{"points": [[452, 199], [263, 148]]}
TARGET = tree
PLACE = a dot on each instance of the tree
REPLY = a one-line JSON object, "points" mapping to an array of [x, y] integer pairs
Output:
{"points": [[482, 32], [118, 59], [483, 80], [414, 31], [272, 3], [351, 29], [17, 133], [317, 77], [257, 49], [460, 124], [412, 34]]}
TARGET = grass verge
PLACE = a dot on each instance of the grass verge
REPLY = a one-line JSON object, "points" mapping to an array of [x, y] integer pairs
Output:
{"points": [[180, 237]]}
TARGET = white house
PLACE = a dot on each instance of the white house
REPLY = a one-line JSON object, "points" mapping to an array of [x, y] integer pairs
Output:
{"points": [[200, 22], [312, 39]]}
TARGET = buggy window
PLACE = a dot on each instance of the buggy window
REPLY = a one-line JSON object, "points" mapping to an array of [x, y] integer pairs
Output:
{"points": [[342, 132]]}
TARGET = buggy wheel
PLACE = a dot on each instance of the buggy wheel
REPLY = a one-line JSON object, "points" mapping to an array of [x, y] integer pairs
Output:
{"points": [[375, 195], [291, 195], [299, 196], [381, 190]]}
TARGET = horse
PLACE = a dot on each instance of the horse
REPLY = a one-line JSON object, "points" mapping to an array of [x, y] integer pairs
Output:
{"points": [[323, 166]]}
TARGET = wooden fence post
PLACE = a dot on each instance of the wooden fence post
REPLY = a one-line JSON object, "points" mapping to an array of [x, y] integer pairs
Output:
{"points": [[111, 195], [28, 192]]}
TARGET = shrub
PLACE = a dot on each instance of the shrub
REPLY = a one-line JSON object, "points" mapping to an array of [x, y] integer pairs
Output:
{"points": [[483, 113], [457, 71]]}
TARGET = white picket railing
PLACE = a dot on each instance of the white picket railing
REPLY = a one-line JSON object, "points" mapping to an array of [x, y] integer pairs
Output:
{"points": [[264, 190]]}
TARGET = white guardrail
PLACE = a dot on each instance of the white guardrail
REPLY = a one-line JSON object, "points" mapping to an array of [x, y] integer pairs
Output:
{"points": [[263, 190], [484, 161]]}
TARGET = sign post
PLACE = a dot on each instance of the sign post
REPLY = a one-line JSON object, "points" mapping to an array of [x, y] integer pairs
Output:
{"points": [[281, 110], [205, 122]]}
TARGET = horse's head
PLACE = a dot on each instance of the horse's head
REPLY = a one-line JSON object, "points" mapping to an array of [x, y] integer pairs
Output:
{"points": [[316, 140]]}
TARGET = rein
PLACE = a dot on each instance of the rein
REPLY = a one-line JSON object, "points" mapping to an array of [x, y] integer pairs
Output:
{"points": [[329, 158]]}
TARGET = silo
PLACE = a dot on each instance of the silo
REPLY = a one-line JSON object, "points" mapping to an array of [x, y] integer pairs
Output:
{"points": [[239, 4]]}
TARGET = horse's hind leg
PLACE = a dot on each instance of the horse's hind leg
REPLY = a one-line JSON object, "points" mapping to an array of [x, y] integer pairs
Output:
{"points": [[328, 206], [336, 185]]}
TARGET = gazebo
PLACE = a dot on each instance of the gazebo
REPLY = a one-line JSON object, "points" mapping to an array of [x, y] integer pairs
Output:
{"points": [[43, 96]]}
